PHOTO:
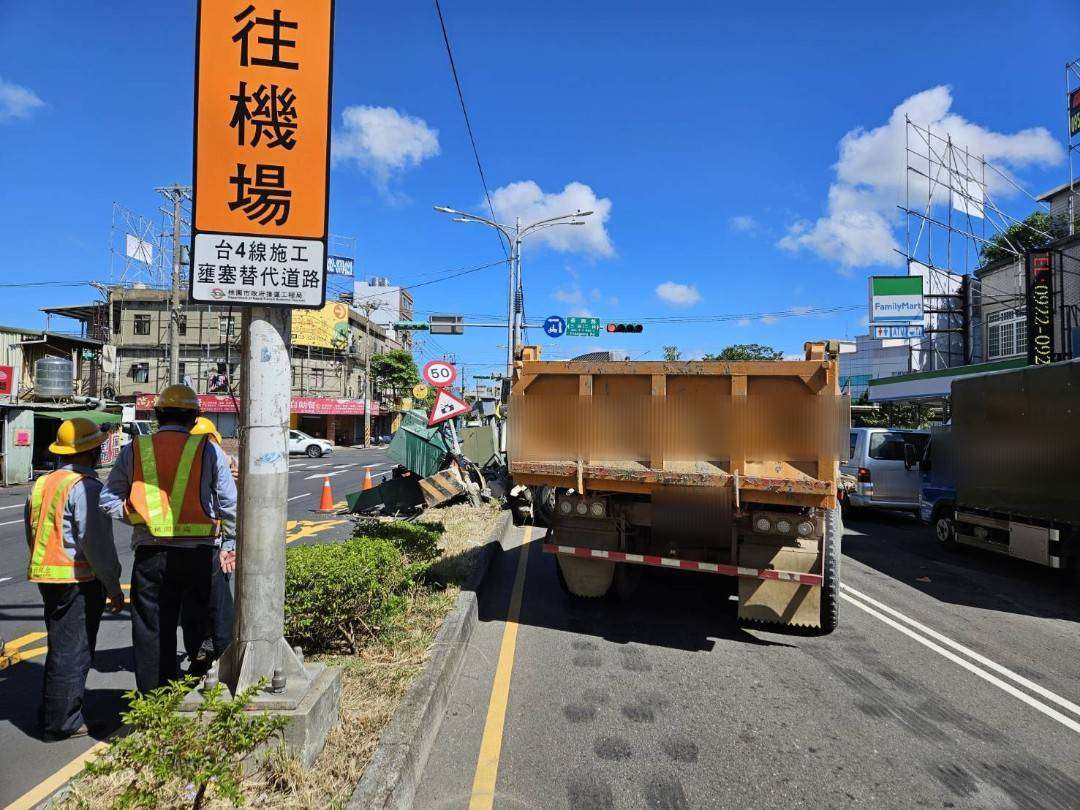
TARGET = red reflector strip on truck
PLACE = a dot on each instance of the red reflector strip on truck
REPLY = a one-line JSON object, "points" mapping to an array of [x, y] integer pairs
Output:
{"points": [[689, 565]]}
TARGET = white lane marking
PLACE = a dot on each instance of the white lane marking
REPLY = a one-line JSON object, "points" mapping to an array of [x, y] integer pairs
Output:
{"points": [[316, 466], [324, 475], [1038, 705], [302, 495], [970, 653], [4, 579], [10, 522], [341, 466], [13, 506]]}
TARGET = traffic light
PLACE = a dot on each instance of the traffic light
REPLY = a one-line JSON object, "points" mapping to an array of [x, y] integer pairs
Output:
{"points": [[630, 328]]}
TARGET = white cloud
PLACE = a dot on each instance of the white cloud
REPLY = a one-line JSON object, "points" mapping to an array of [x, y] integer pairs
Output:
{"points": [[859, 229], [795, 356], [680, 295], [743, 322], [527, 200], [383, 142], [743, 223], [799, 310], [572, 296], [768, 319], [17, 101]]}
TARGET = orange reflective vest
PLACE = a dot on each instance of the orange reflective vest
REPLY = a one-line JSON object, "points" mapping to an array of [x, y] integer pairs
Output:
{"points": [[167, 471], [50, 560]]}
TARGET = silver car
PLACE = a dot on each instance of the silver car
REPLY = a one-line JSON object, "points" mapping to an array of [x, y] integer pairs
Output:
{"points": [[876, 462]]}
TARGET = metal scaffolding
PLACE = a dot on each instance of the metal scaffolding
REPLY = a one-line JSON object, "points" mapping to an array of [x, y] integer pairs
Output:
{"points": [[950, 215]]}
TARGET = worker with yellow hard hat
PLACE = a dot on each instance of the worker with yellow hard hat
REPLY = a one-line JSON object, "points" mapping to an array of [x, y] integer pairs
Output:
{"points": [[73, 561], [207, 633], [176, 490]]}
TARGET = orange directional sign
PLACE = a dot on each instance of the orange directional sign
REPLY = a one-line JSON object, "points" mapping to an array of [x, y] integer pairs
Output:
{"points": [[262, 151]]}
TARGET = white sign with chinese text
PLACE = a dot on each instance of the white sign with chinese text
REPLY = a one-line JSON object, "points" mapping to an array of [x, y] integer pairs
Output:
{"points": [[239, 269]]}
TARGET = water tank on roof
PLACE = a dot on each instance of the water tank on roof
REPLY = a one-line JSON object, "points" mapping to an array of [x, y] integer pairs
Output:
{"points": [[52, 377]]}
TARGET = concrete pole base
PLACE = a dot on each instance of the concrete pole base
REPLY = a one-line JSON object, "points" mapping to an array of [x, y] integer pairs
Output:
{"points": [[244, 662], [310, 703]]}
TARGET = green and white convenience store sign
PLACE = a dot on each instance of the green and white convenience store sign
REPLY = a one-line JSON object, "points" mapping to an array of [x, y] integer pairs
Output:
{"points": [[896, 299]]}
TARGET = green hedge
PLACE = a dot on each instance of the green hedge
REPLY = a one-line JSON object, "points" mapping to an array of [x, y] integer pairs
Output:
{"points": [[338, 594]]}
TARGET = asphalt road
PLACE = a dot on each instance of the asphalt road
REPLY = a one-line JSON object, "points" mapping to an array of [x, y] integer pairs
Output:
{"points": [[952, 681], [27, 761]]}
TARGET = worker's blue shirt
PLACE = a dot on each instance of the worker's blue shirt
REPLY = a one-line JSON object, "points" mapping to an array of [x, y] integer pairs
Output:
{"points": [[217, 492], [88, 533]]}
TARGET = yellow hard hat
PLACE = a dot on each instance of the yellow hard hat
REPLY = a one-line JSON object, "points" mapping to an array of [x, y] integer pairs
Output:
{"points": [[180, 397], [77, 436], [204, 426]]}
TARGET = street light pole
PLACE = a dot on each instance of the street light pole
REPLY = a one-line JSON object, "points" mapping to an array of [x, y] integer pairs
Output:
{"points": [[515, 236]]}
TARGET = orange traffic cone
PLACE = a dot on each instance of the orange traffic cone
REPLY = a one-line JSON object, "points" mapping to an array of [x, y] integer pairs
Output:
{"points": [[367, 477], [326, 504]]}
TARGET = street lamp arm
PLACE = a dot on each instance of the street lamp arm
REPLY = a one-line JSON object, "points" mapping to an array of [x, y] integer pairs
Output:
{"points": [[555, 219], [462, 216]]}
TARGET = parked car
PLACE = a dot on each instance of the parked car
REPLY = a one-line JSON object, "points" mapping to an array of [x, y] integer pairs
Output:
{"points": [[876, 462], [300, 442]]}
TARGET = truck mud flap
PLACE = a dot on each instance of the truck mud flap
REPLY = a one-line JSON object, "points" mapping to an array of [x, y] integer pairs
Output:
{"points": [[772, 601]]}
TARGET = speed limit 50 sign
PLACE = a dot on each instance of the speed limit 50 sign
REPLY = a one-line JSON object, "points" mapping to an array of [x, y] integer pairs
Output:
{"points": [[439, 373]]}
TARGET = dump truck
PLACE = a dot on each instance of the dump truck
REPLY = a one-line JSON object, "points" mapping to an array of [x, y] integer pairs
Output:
{"points": [[1003, 474], [710, 467]]}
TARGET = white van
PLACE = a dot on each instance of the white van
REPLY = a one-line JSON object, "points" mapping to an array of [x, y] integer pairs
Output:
{"points": [[876, 462]]}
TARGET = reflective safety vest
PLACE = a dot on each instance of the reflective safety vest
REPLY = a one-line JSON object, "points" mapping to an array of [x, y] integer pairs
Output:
{"points": [[51, 560], [167, 472]]}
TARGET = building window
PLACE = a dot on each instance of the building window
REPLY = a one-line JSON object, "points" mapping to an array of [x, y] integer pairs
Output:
{"points": [[318, 378], [142, 324], [140, 372], [181, 324], [1006, 333], [226, 326]]}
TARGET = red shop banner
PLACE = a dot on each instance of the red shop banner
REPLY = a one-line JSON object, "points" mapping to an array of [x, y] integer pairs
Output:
{"points": [[316, 406]]}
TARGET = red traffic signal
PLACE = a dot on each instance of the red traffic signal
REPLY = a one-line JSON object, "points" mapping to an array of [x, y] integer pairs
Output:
{"points": [[630, 328]]}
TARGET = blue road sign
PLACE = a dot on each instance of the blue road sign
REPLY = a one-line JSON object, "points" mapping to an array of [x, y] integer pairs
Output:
{"points": [[555, 326]]}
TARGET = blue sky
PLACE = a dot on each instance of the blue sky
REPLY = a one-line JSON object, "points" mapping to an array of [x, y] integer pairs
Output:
{"points": [[709, 137]]}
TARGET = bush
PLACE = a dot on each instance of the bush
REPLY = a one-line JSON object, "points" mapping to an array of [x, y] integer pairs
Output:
{"points": [[419, 542], [335, 595], [170, 758]]}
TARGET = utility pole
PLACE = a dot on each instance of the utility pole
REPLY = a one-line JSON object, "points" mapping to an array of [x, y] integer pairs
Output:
{"points": [[176, 194], [368, 307]]}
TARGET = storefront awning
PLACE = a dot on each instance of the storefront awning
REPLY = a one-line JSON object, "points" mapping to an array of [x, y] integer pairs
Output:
{"points": [[97, 417], [320, 406], [931, 385]]}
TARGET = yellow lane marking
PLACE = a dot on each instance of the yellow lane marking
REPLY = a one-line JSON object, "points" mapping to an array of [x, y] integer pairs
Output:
{"points": [[19, 649], [487, 764], [36, 795], [310, 528], [22, 641]]}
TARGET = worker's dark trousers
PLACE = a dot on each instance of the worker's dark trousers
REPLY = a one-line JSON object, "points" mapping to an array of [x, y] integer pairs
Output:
{"points": [[72, 617], [162, 579], [209, 631]]}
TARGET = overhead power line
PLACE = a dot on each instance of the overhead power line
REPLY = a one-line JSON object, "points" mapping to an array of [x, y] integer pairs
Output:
{"points": [[449, 275], [468, 123]]}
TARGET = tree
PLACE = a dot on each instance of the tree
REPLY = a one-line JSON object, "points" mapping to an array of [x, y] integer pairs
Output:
{"points": [[740, 352], [394, 371], [1022, 236], [672, 353]]}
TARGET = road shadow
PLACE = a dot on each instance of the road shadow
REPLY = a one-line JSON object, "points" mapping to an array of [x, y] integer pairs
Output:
{"points": [[906, 550], [682, 610], [21, 687]]}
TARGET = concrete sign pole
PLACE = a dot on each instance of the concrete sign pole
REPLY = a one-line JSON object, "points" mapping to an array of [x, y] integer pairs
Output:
{"points": [[259, 649]]}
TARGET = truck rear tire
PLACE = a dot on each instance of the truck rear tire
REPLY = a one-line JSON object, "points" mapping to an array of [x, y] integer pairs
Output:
{"points": [[830, 572], [944, 524]]}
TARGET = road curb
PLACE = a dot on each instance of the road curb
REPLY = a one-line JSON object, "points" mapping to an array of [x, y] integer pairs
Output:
{"points": [[393, 774]]}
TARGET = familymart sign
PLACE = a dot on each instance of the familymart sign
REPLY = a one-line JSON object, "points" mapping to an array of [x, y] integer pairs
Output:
{"points": [[896, 299]]}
